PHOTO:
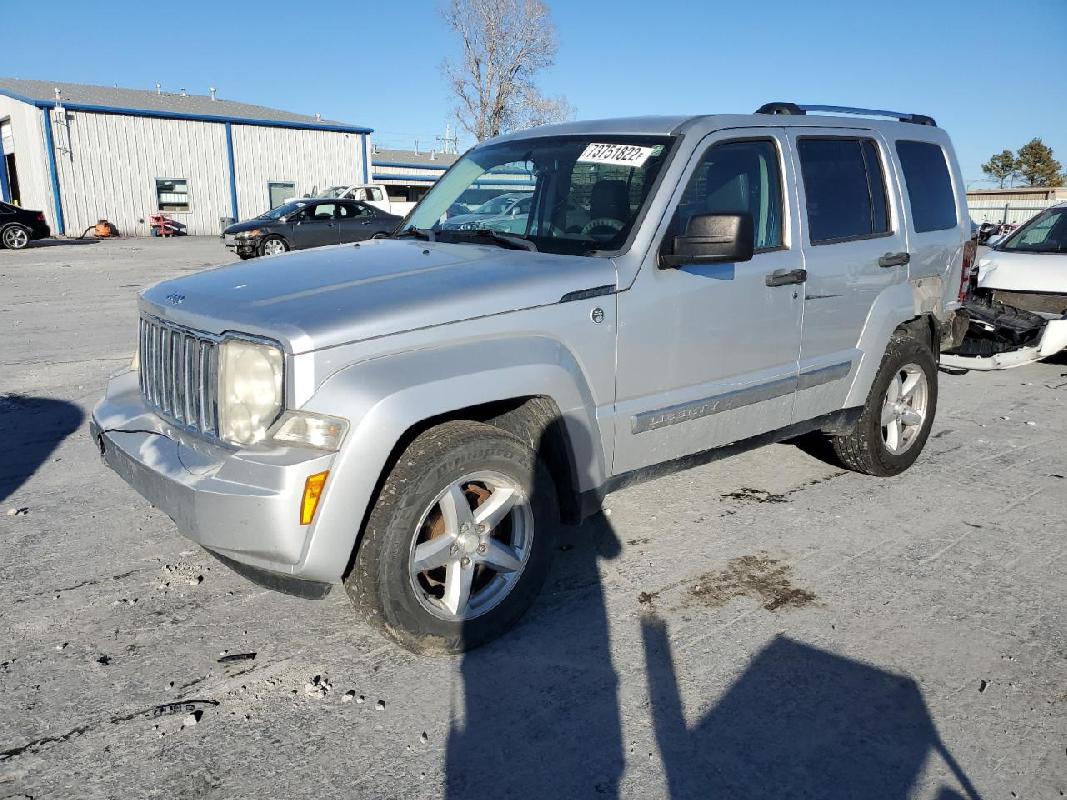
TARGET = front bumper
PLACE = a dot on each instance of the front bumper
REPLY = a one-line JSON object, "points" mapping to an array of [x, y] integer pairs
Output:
{"points": [[1053, 340], [241, 504], [242, 247]]}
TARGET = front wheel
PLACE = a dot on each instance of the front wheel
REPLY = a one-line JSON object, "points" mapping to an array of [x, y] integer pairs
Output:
{"points": [[273, 246], [896, 419], [15, 237], [459, 541]]}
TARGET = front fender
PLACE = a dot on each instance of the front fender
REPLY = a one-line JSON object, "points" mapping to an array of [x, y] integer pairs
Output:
{"points": [[383, 398]]}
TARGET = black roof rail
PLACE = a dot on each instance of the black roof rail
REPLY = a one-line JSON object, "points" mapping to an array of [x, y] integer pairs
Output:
{"points": [[791, 109]]}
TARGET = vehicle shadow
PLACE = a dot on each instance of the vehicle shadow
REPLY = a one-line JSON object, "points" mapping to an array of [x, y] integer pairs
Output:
{"points": [[541, 716], [798, 722], [31, 429], [59, 242]]}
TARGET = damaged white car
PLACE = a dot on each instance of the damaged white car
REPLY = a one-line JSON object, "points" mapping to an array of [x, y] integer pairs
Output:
{"points": [[1018, 303]]}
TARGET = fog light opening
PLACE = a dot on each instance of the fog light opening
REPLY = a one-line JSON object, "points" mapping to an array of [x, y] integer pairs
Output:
{"points": [[312, 492]]}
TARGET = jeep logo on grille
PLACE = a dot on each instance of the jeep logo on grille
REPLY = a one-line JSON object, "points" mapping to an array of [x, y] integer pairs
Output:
{"points": [[176, 299]]}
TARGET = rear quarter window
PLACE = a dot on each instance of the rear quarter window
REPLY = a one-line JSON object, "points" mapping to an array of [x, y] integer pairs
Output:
{"points": [[925, 168]]}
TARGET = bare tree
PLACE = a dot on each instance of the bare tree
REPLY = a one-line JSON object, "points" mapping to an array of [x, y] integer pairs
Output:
{"points": [[505, 44]]}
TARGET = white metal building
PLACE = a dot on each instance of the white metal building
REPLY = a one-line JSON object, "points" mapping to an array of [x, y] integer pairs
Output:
{"points": [[1014, 205], [84, 153]]}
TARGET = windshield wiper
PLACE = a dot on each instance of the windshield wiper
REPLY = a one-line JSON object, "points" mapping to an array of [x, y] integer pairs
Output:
{"points": [[418, 233], [507, 239]]}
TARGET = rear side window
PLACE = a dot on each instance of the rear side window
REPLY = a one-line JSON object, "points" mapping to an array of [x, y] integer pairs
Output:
{"points": [[845, 189], [933, 205]]}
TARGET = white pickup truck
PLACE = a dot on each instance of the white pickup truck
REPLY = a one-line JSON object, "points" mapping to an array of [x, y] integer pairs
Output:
{"points": [[374, 194]]}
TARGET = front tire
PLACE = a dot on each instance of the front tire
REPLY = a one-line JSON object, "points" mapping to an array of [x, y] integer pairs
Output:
{"points": [[459, 542], [273, 246], [15, 237], [896, 419]]}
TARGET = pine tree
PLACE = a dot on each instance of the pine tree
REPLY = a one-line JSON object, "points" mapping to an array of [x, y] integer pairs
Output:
{"points": [[1037, 166], [1002, 167]]}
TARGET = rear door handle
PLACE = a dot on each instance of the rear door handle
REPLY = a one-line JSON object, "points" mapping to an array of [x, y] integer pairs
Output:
{"points": [[894, 259], [785, 277]]}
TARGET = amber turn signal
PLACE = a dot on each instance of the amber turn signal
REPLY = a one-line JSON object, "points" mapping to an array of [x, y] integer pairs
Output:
{"points": [[312, 492]]}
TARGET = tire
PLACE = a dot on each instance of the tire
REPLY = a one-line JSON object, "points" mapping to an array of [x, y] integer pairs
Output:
{"points": [[413, 607], [868, 446], [15, 237], [273, 245]]}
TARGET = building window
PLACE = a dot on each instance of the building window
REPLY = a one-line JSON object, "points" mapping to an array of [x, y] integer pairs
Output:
{"points": [[172, 194], [280, 191]]}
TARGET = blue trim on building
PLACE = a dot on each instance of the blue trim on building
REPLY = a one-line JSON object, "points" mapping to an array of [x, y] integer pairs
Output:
{"points": [[145, 112], [428, 179], [410, 166], [233, 172], [53, 171], [5, 184], [366, 158]]}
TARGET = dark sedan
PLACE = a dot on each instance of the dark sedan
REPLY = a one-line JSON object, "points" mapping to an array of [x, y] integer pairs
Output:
{"points": [[18, 227], [307, 223]]}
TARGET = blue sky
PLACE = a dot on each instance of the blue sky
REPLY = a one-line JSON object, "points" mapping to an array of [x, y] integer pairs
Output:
{"points": [[991, 73]]}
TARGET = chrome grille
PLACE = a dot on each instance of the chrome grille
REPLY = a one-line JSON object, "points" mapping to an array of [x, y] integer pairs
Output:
{"points": [[179, 374]]}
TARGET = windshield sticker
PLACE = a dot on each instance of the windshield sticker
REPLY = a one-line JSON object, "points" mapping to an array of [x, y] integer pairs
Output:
{"points": [[621, 155]]}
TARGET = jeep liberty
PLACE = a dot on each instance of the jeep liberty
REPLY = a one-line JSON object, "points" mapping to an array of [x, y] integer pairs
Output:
{"points": [[415, 415]]}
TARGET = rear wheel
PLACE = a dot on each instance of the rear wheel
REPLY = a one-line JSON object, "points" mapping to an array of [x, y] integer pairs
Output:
{"points": [[15, 237], [459, 541], [896, 419], [273, 245]]}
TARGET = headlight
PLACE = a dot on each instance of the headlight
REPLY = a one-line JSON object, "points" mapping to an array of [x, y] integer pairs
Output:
{"points": [[306, 429], [250, 390], [249, 234]]}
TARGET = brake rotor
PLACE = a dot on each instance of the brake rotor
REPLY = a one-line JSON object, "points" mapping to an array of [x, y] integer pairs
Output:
{"points": [[476, 495]]}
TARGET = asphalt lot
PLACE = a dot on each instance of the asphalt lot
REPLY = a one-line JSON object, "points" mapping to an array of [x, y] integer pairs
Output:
{"points": [[764, 626]]}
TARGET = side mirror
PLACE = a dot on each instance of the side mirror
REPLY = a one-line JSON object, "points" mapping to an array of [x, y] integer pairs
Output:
{"points": [[710, 239]]}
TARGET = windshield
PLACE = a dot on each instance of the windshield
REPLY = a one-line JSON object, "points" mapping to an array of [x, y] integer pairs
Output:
{"points": [[1045, 233], [573, 194], [333, 191], [283, 210]]}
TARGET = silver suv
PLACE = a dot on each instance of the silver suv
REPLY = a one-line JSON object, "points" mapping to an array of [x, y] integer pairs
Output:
{"points": [[413, 416]]}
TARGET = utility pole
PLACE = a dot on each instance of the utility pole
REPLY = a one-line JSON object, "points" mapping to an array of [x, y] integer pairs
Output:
{"points": [[449, 143]]}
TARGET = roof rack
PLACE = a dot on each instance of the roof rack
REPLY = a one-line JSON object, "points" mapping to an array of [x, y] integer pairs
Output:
{"points": [[792, 109]]}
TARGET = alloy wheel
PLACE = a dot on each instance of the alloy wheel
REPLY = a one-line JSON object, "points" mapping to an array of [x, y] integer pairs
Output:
{"points": [[904, 408], [16, 238], [471, 546]]}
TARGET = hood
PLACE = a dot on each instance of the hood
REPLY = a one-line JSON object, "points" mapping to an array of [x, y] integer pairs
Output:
{"points": [[1023, 272], [250, 224], [328, 296]]}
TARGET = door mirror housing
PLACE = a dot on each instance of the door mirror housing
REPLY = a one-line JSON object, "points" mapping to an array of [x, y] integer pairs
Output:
{"points": [[710, 239]]}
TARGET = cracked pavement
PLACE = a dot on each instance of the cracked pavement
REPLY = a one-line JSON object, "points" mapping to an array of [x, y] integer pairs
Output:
{"points": [[763, 626]]}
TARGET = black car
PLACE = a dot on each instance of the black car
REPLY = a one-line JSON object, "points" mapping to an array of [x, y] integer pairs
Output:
{"points": [[307, 223], [20, 226]]}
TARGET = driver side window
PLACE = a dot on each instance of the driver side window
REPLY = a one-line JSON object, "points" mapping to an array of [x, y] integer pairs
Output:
{"points": [[732, 178]]}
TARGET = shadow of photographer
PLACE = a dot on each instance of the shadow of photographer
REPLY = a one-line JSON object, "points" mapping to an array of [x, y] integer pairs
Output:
{"points": [[540, 714], [31, 429]]}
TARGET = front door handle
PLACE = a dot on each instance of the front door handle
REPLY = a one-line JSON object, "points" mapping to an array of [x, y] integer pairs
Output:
{"points": [[785, 277], [894, 259]]}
